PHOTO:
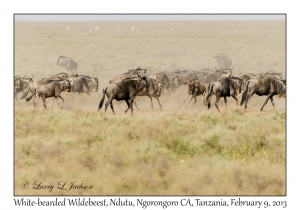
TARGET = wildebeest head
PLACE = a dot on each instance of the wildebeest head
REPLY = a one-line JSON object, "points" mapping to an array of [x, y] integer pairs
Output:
{"points": [[193, 85], [160, 87], [236, 83], [235, 86], [176, 80], [17, 82], [280, 88], [31, 78], [142, 83], [65, 85], [92, 84], [156, 88]]}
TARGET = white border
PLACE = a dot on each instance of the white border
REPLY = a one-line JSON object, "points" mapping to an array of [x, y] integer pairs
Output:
{"points": [[217, 6]]}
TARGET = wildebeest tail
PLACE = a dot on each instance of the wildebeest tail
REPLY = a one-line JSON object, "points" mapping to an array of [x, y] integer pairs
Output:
{"points": [[244, 94], [209, 91], [102, 100], [25, 94], [28, 99]]}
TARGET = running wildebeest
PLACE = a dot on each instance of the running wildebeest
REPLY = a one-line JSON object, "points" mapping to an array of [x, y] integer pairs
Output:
{"points": [[124, 90], [67, 62], [226, 87], [34, 85], [174, 81], [268, 86], [153, 90], [52, 89], [195, 89]]}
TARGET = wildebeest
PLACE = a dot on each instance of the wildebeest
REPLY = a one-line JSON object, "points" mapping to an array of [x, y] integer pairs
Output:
{"points": [[67, 62], [223, 60], [185, 77], [53, 89], [195, 89], [124, 90], [245, 77], [119, 78], [21, 84], [173, 81], [216, 74], [202, 77], [268, 86], [34, 85], [82, 84], [154, 89], [228, 86], [163, 78]]}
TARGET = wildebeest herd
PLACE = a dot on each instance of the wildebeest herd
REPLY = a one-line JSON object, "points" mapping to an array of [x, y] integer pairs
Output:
{"points": [[128, 86]]}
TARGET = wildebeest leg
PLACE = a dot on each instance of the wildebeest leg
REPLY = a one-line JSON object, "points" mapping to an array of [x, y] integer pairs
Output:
{"points": [[272, 102], [62, 101], [217, 101], [44, 102], [234, 96], [151, 102], [189, 102], [266, 101], [247, 98], [112, 107], [127, 102], [184, 101], [34, 102], [195, 100], [225, 100], [131, 104], [136, 105], [56, 102], [158, 102], [53, 102], [107, 103], [203, 96]]}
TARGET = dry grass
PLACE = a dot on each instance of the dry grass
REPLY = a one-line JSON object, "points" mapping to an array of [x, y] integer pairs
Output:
{"points": [[190, 151]]}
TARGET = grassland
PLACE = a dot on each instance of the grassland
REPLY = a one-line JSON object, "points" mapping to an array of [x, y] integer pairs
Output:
{"points": [[190, 151]]}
